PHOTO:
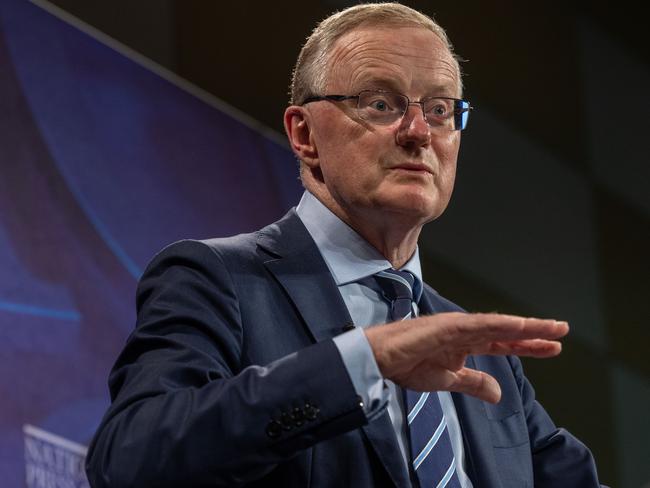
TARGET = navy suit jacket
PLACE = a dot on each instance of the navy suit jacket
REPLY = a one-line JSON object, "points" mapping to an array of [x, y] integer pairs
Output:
{"points": [[231, 378]]}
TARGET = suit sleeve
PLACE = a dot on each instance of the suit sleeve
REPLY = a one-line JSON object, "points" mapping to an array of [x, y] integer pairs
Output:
{"points": [[185, 408], [559, 459]]}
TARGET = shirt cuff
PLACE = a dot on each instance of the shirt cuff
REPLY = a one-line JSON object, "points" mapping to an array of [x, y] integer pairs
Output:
{"points": [[363, 370]]}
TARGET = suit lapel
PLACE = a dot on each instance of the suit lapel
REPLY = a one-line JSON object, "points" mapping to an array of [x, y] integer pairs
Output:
{"points": [[296, 263], [382, 437], [298, 266], [480, 464]]}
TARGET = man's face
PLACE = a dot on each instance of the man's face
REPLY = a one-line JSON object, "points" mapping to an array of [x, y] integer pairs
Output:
{"points": [[374, 172]]}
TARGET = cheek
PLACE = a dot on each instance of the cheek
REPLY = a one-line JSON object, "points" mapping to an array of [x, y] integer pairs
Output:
{"points": [[345, 151], [448, 143], [447, 152], [335, 135], [447, 178]]}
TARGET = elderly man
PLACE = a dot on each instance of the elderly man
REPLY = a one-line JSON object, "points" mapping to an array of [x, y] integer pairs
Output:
{"points": [[253, 362]]}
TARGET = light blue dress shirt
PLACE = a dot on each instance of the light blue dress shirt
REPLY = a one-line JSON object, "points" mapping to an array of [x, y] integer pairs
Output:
{"points": [[350, 258]]}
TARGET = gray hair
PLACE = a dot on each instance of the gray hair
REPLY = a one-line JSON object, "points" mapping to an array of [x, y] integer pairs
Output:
{"points": [[310, 73]]}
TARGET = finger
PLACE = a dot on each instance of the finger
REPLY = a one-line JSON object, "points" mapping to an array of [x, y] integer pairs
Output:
{"points": [[537, 348], [477, 384], [478, 328]]}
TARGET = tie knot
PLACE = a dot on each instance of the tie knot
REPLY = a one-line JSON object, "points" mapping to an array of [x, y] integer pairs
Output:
{"points": [[396, 284]]}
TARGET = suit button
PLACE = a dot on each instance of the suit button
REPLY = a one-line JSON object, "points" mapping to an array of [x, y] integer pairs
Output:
{"points": [[360, 402], [311, 412], [274, 429], [286, 421], [298, 416]]}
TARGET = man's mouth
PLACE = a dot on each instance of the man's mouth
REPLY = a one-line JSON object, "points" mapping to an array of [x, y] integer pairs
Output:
{"points": [[414, 167]]}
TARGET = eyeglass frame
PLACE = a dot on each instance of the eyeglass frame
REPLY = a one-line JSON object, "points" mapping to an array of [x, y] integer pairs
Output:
{"points": [[457, 113]]}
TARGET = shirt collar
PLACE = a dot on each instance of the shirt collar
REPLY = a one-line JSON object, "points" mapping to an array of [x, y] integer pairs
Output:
{"points": [[348, 256]]}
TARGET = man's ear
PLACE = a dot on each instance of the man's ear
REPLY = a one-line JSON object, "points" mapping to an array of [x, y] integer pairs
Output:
{"points": [[299, 132]]}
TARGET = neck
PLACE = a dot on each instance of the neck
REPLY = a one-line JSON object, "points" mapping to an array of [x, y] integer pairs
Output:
{"points": [[395, 242], [395, 235]]}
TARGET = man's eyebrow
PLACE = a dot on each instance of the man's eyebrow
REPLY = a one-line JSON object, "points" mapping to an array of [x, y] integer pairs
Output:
{"points": [[442, 91], [378, 84], [390, 84]]}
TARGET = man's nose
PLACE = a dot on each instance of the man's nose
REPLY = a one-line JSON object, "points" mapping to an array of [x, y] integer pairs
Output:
{"points": [[413, 128]]}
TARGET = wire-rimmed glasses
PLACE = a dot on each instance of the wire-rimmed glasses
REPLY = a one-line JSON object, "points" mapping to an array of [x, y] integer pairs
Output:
{"points": [[384, 107]]}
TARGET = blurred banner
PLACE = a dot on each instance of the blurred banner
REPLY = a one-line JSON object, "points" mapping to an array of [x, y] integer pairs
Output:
{"points": [[102, 164]]}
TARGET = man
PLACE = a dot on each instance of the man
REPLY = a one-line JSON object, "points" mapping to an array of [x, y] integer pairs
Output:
{"points": [[252, 362]]}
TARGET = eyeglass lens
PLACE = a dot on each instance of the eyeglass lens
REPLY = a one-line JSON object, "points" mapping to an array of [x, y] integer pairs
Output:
{"points": [[385, 108]]}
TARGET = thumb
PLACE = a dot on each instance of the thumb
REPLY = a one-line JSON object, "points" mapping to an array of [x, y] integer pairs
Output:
{"points": [[477, 384]]}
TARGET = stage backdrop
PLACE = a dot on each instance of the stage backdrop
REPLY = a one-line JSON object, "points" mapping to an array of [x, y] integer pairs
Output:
{"points": [[105, 158], [102, 164]]}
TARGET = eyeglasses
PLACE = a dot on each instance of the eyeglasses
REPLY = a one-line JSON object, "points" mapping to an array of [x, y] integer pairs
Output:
{"points": [[384, 108]]}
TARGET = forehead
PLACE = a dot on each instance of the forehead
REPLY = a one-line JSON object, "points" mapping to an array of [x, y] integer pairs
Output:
{"points": [[406, 59]]}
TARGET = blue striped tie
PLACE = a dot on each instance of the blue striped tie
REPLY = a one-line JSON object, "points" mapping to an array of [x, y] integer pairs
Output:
{"points": [[431, 452]]}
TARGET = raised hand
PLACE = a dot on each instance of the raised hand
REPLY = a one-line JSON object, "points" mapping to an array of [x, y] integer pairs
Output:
{"points": [[428, 353]]}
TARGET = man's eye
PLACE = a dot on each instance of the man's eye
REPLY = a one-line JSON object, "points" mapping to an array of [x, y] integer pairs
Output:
{"points": [[380, 105], [439, 110]]}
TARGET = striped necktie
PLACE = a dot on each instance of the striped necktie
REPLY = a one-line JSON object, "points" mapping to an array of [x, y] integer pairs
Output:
{"points": [[431, 452]]}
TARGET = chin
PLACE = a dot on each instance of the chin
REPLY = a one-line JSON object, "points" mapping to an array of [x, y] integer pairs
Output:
{"points": [[420, 209], [414, 203], [422, 200]]}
